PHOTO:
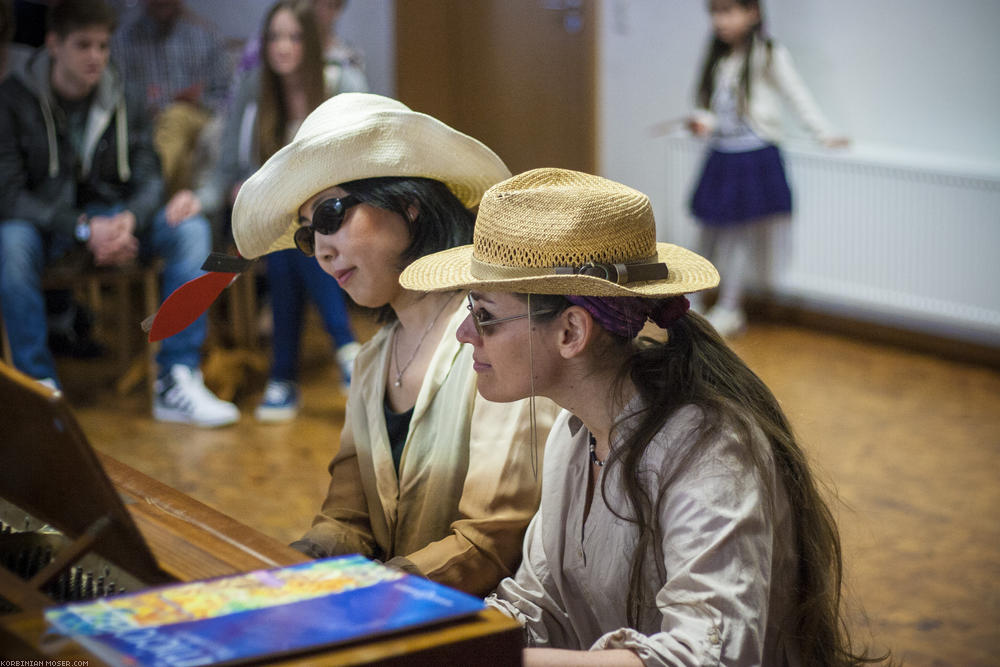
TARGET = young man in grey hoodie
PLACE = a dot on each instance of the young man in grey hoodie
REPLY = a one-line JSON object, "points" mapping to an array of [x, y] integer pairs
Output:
{"points": [[78, 172]]}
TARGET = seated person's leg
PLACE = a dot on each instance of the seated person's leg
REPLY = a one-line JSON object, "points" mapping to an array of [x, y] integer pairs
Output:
{"points": [[287, 307], [281, 395], [328, 297], [22, 260], [330, 300], [183, 249], [181, 395]]}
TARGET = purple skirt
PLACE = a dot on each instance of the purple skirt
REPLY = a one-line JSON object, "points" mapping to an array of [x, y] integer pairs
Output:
{"points": [[740, 187]]}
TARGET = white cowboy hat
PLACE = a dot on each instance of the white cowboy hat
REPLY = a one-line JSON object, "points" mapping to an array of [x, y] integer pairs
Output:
{"points": [[555, 231], [349, 137]]}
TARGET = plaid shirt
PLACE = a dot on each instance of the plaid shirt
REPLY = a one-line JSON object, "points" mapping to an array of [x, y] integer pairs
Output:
{"points": [[158, 65]]}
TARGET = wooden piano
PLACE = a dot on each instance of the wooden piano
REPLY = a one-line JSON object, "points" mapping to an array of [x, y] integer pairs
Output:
{"points": [[75, 525]]}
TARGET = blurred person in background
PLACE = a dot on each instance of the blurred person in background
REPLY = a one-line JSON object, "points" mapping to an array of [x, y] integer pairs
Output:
{"points": [[177, 64], [78, 175], [271, 102], [344, 63], [746, 82]]}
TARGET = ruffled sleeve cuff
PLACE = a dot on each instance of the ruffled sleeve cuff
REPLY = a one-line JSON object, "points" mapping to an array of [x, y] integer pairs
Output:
{"points": [[508, 609]]}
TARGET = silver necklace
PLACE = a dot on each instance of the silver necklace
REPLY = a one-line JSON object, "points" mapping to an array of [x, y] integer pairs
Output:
{"points": [[395, 346]]}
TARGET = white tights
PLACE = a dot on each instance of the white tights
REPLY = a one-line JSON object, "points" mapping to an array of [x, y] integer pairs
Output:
{"points": [[729, 249]]}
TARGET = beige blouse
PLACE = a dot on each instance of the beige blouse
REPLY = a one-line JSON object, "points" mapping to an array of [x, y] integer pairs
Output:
{"points": [[774, 85], [729, 567], [465, 493]]}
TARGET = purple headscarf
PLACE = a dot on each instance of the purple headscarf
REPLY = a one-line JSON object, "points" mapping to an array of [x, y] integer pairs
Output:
{"points": [[626, 315]]}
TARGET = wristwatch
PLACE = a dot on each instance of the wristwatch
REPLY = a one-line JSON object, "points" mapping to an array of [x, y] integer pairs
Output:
{"points": [[82, 230]]}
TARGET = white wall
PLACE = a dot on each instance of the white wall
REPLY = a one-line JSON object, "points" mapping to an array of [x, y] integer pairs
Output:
{"points": [[370, 26], [917, 74], [913, 83], [915, 78]]}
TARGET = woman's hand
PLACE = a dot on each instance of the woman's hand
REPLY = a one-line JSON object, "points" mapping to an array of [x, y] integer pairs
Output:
{"points": [[182, 206], [310, 549]]}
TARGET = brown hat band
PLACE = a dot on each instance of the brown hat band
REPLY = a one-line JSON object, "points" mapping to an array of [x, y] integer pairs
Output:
{"points": [[619, 273]]}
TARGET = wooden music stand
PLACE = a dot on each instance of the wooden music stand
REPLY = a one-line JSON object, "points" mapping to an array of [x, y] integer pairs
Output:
{"points": [[49, 470]]}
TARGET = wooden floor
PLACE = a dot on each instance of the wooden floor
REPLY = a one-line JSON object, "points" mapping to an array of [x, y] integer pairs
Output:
{"points": [[909, 443]]}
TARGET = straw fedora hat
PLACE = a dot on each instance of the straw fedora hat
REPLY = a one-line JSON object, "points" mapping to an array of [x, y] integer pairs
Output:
{"points": [[555, 231], [349, 137]]}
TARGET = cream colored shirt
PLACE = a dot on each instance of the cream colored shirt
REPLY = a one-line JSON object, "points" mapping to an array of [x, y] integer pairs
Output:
{"points": [[774, 84], [725, 593], [465, 492]]}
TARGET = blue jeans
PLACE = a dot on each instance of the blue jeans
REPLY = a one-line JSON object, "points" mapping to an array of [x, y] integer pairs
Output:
{"points": [[25, 251], [291, 276]]}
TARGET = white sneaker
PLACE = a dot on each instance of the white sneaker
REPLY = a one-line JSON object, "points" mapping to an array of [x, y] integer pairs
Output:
{"points": [[49, 382], [181, 396], [345, 359], [729, 322], [280, 402]]}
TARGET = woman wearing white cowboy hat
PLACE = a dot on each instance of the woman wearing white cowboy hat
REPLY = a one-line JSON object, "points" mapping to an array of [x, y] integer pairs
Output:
{"points": [[679, 522], [429, 476]]}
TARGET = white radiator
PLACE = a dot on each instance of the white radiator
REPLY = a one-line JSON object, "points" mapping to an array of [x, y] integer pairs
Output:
{"points": [[873, 237]]}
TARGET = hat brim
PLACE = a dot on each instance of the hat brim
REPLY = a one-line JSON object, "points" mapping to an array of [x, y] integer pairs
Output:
{"points": [[350, 137], [451, 269]]}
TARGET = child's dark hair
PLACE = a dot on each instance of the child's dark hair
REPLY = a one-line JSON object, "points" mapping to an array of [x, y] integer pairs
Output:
{"points": [[718, 49], [441, 220], [66, 16]]}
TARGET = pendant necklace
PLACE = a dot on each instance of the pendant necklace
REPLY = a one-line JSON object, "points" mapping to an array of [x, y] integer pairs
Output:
{"points": [[398, 382], [593, 452]]}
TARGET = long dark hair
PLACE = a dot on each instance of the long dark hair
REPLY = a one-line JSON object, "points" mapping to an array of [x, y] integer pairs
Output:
{"points": [[694, 366], [717, 50], [441, 220], [272, 103]]}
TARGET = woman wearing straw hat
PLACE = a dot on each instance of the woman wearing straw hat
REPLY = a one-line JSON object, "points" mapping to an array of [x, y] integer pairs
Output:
{"points": [[429, 476], [679, 522]]}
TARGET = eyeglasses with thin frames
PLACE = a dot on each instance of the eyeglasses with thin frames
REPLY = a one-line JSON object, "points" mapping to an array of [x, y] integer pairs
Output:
{"points": [[327, 218], [482, 325]]}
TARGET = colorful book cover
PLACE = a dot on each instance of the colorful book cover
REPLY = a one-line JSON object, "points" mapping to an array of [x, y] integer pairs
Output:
{"points": [[267, 612]]}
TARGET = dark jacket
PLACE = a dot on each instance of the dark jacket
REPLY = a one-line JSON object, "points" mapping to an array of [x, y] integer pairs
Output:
{"points": [[44, 181]]}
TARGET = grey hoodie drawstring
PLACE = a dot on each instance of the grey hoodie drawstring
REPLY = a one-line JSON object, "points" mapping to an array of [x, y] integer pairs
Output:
{"points": [[41, 85], [124, 172], [50, 133]]}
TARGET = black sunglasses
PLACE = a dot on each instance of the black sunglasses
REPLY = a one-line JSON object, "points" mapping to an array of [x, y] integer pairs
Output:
{"points": [[326, 219]]}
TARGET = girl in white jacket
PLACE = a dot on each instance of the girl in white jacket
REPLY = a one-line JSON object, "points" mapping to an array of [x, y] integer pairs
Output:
{"points": [[744, 83]]}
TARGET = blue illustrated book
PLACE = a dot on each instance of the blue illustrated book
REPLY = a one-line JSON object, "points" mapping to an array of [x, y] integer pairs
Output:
{"points": [[263, 613]]}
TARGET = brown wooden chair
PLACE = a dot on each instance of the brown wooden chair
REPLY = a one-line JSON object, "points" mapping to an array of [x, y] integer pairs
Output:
{"points": [[110, 292]]}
